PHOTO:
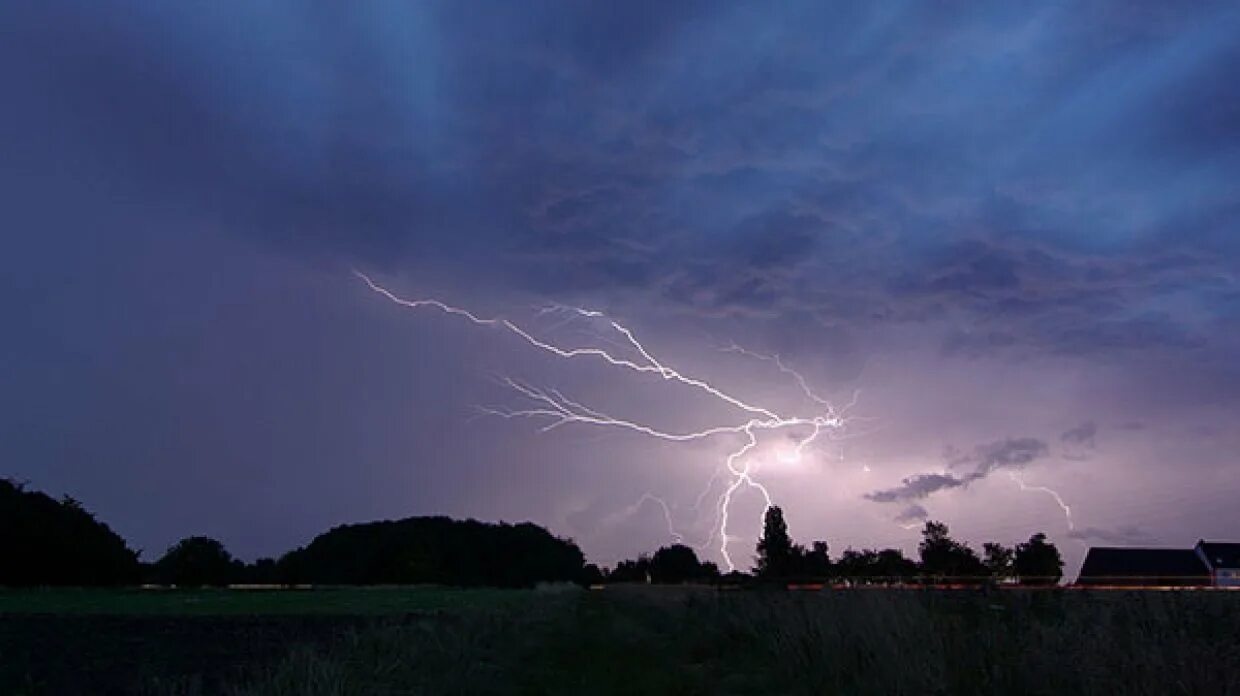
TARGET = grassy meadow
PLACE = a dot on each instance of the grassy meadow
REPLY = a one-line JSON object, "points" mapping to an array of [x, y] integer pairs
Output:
{"points": [[220, 602], [620, 640]]}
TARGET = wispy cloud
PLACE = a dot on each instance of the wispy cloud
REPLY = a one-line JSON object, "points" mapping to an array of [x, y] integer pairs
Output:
{"points": [[1012, 453], [1083, 435]]}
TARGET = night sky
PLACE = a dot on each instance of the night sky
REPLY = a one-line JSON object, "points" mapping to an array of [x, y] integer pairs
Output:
{"points": [[1013, 232]]}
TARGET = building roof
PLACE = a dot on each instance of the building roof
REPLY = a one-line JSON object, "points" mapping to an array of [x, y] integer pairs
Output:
{"points": [[1220, 555], [1103, 565]]}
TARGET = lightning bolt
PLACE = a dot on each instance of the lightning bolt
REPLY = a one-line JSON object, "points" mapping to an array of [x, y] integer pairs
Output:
{"points": [[636, 507], [557, 409], [1067, 510], [796, 376]]}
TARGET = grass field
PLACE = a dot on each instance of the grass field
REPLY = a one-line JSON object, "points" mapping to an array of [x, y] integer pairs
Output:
{"points": [[622, 640], [330, 601]]}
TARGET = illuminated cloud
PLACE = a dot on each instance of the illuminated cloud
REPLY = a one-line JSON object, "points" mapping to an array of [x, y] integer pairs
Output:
{"points": [[1012, 453], [916, 487], [1008, 453]]}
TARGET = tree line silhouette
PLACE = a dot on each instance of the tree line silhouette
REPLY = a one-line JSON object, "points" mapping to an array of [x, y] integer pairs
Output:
{"points": [[435, 550], [941, 560], [45, 542]]}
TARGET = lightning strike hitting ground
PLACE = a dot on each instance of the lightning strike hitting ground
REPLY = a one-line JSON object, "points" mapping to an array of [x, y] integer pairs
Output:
{"points": [[558, 409]]}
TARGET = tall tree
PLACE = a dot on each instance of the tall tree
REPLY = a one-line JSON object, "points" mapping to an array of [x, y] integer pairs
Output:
{"points": [[944, 558], [776, 557], [998, 560], [1037, 562]]}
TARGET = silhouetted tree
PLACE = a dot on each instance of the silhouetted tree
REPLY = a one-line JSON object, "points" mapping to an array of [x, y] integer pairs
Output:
{"points": [[735, 578], [678, 564], [869, 566], [197, 561], [854, 566], [816, 562], [945, 558], [435, 550], [49, 542], [631, 571], [591, 575], [776, 554], [261, 572], [998, 560], [1037, 562], [893, 566]]}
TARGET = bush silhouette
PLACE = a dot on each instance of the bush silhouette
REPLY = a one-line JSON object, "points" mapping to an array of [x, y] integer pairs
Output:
{"points": [[1037, 562], [197, 561], [678, 564], [944, 558], [632, 571], [49, 542], [870, 566], [998, 560], [435, 550]]}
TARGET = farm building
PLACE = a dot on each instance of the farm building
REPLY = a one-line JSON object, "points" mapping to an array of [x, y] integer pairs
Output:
{"points": [[1223, 561], [1207, 564]]}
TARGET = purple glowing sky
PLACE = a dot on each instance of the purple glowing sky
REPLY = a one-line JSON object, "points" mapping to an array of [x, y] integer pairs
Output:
{"points": [[1013, 230]]}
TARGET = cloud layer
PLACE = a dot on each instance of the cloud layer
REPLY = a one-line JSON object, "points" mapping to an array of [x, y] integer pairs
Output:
{"points": [[996, 220]]}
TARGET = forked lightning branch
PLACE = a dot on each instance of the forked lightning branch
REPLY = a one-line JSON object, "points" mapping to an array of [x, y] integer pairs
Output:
{"points": [[752, 421]]}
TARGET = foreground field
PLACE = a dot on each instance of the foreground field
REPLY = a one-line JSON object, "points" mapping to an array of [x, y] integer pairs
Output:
{"points": [[637, 641], [343, 601]]}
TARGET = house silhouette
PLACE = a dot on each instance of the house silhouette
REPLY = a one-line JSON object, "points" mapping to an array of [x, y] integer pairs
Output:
{"points": [[1208, 564], [1223, 560]]}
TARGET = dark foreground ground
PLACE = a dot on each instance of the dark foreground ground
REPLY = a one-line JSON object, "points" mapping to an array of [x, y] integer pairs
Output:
{"points": [[619, 641]]}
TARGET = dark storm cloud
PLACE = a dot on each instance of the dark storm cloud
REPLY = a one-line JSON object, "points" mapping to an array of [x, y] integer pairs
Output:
{"points": [[728, 159], [300, 149], [725, 159], [1037, 186], [1012, 453], [969, 268], [976, 344], [1084, 434], [754, 271], [917, 487]]}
